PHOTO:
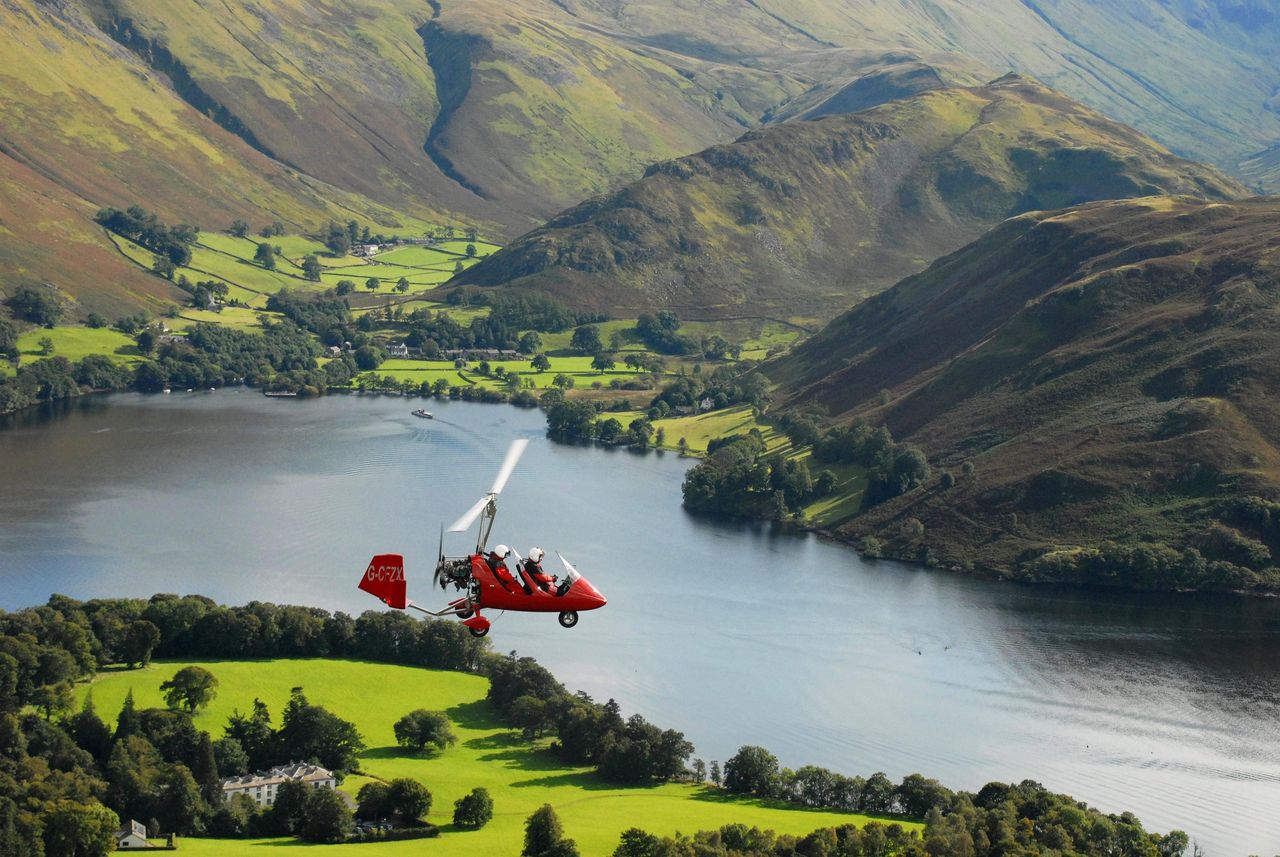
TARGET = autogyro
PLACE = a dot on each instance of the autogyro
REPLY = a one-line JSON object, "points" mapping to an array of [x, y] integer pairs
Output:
{"points": [[483, 578]]}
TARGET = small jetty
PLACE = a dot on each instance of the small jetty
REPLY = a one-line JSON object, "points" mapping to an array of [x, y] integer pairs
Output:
{"points": [[279, 394], [426, 415]]}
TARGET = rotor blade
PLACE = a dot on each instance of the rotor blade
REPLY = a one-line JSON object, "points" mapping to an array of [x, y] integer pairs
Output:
{"points": [[509, 464], [469, 516], [435, 579]]}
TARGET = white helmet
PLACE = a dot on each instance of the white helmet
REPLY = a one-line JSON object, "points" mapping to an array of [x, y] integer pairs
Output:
{"points": [[502, 551], [536, 554]]}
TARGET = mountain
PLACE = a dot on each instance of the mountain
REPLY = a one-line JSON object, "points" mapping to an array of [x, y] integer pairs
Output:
{"points": [[406, 112], [806, 218], [1109, 373]]}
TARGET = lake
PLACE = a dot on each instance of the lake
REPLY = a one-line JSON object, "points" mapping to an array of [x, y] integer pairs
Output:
{"points": [[1167, 705]]}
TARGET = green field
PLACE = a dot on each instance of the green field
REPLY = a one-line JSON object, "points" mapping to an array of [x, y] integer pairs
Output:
{"points": [[236, 318], [521, 777], [579, 368], [76, 343], [700, 429]]}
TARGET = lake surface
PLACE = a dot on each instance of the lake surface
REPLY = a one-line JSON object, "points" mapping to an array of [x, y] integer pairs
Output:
{"points": [[1167, 705]]}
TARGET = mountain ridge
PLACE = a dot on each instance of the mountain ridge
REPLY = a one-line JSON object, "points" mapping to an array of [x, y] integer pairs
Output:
{"points": [[1102, 373], [808, 217]]}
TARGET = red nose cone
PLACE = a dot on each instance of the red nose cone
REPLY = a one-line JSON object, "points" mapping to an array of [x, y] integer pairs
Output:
{"points": [[593, 595]]}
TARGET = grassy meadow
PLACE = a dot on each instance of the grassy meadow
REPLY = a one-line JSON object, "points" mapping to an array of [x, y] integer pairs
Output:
{"points": [[520, 776]]}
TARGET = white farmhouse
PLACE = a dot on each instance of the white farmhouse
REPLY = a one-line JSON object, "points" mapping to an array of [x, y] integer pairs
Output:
{"points": [[263, 785], [133, 835]]}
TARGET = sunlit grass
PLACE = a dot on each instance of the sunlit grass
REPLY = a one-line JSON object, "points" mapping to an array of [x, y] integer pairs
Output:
{"points": [[519, 776]]}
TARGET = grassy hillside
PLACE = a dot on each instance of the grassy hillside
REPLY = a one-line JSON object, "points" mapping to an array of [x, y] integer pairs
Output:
{"points": [[806, 218], [521, 777], [1108, 371]]}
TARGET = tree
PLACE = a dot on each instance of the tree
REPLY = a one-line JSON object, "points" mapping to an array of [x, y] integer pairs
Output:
{"points": [[75, 828], [190, 688], [540, 362], [419, 728], [345, 287], [312, 732], [140, 640], [474, 810], [562, 381], [337, 240], [128, 723], [371, 801], [289, 812], [752, 770], [265, 256], [238, 228], [326, 818], [542, 832], [205, 771], [402, 285], [586, 340], [146, 341], [372, 284], [408, 799], [46, 346], [530, 342], [603, 362], [471, 251], [40, 306], [311, 267]]}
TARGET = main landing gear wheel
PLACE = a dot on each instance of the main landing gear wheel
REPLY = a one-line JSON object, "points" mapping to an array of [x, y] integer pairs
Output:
{"points": [[464, 615], [479, 632], [568, 618]]}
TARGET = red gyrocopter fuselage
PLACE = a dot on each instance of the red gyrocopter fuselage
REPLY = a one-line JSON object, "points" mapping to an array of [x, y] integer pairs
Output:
{"points": [[485, 586], [486, 590]]}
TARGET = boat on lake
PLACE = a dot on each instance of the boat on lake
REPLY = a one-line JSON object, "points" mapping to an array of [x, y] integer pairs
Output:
{"points": [[426, 415]]}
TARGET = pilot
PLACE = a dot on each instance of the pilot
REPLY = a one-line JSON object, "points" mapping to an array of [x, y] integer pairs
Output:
{"points": [[498, 565], [532, 567]]}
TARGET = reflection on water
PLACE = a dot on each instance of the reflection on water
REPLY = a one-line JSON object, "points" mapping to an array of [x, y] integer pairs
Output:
{"points": [[1164, 704]]}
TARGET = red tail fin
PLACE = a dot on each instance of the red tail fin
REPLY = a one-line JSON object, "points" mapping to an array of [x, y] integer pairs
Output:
{"points": [[384, 579]]}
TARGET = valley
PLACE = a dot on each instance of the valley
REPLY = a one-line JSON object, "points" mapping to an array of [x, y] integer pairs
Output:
{"points": [[888, 363]]}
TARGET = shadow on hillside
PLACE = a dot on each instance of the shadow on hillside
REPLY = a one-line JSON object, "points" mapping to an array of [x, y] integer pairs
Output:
{"points": [[395, 751], [475, 715], [497, 741]]}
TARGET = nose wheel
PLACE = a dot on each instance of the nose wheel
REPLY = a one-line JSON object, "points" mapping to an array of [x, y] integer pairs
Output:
{"points": [[568, 618]]}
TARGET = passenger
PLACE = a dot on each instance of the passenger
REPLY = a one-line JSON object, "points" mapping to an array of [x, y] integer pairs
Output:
{"points": [[532, 567], [497, 560]]}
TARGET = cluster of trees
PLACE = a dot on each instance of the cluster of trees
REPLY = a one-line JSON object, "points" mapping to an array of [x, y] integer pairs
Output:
{"points": [[893, 468], [755, 771], [404, 800], [1153, 566], [587, 733], [739, 479], [660, 333], [57, 378], [1001, 820], [725, 386], [39, 306], [172, 243], [580, 418], [737, 840]]}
